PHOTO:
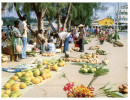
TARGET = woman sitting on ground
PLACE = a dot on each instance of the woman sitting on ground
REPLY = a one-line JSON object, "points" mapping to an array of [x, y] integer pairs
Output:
{"points": [[51, 46]]}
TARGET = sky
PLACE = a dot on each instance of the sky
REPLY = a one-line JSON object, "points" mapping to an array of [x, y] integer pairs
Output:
{"points": [[112, 7]]}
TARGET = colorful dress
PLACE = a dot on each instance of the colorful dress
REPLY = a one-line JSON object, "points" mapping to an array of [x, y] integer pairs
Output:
{"points": [[15, 40]]}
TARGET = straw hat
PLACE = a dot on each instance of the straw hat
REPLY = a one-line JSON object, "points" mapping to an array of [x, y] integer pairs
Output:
{"points": [[81, 25]]}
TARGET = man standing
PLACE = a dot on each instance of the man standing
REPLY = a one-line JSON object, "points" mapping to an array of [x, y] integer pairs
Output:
{"points": [[23, 30], [82, 37]]}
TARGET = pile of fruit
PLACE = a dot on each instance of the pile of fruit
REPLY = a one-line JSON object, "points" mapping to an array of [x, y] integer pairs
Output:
{"points": [[23, 79], [123, 89], [88, 56], [75, 48], [48, 54], [87, 69], [101, 52], [91, 60], [31, 53], [87, 40], [54, 66], [117, 43]]}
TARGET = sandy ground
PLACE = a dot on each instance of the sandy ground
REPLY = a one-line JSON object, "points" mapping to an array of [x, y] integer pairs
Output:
{"points": [[54, 86]]}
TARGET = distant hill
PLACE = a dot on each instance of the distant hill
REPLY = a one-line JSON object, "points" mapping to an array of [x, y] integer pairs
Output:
{"points": [[10, 20]]}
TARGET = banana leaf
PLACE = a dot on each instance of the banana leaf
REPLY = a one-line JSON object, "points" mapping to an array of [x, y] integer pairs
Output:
{"points": [[115, 94]]}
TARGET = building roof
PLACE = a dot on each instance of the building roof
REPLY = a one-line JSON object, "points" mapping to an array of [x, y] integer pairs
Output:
{"points": [[96, 21]]}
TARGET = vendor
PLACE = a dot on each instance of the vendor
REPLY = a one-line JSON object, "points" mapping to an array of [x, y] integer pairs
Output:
{"points": [[51, 46], [66, 37], [16, 39], [81, 37], [39, 37]]}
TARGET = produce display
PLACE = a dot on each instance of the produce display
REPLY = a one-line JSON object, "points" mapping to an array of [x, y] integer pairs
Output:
{"points": [[75, 48], [101, 52], [91, 60], [117, 43], [123, 89], [87, 69], [54, 66], [48, 54], [31, 53], [88, 56], [94, 47], [87, 40]]}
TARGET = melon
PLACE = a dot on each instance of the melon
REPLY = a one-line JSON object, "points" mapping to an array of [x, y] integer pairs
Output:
{"points": [[11, 82], [2, 92], [7, 92], [44, 76], [23, 85], [19, 74], [55, 67], [40, 78], [15, 78], [35, 81], [39, 66], [26, 74], [25, 79], [36, 73], [14, 87], [7, 86], [5, 96], [44, 62]]}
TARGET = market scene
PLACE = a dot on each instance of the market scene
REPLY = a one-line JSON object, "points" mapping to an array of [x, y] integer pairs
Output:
{"points": [[69, 50]]}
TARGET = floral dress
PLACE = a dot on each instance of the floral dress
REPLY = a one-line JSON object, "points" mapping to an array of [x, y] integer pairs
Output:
{"points": [[15, 40]]}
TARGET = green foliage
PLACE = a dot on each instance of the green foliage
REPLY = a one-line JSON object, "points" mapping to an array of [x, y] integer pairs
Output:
{"points": [[100, 72], [108, 91]]}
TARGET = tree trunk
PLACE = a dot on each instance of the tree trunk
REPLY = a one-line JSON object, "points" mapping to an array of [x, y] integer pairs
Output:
{"points": [[40, 21], [58, 16], [51, 24], [67, 16], [69, 23], [4, 7], [20, 17]]}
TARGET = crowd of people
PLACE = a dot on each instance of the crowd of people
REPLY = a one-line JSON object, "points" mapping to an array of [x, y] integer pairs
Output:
{"points": [[47, 41]]}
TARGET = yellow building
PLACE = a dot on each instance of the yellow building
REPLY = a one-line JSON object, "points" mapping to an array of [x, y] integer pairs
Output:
{"points": [[106, 21]]}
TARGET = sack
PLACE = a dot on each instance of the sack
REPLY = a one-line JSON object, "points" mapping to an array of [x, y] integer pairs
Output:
{"points": [[19, 48]]}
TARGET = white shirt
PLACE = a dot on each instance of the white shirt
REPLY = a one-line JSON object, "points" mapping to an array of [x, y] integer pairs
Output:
{"points": [[23, 25], [63, 35]]}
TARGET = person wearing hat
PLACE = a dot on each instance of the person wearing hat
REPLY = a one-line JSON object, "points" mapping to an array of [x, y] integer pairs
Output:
{"points": [[81, 38]]}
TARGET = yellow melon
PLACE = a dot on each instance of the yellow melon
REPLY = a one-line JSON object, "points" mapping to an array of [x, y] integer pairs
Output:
{"points": [[5, 96], [36, 73], [2, 92], [44, 76], [7, 92], [19, 74], [14, 87], [15, 78], [23, 85], [40, 78], [7, 86], [35, 80], [26, 74]]}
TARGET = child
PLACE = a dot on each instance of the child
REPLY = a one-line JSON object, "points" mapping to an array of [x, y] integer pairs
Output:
{"points": [[51, 46], [43, 46]]}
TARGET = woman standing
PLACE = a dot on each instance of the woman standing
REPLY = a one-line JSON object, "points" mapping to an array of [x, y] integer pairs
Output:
{"points": [[16, 40]]}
